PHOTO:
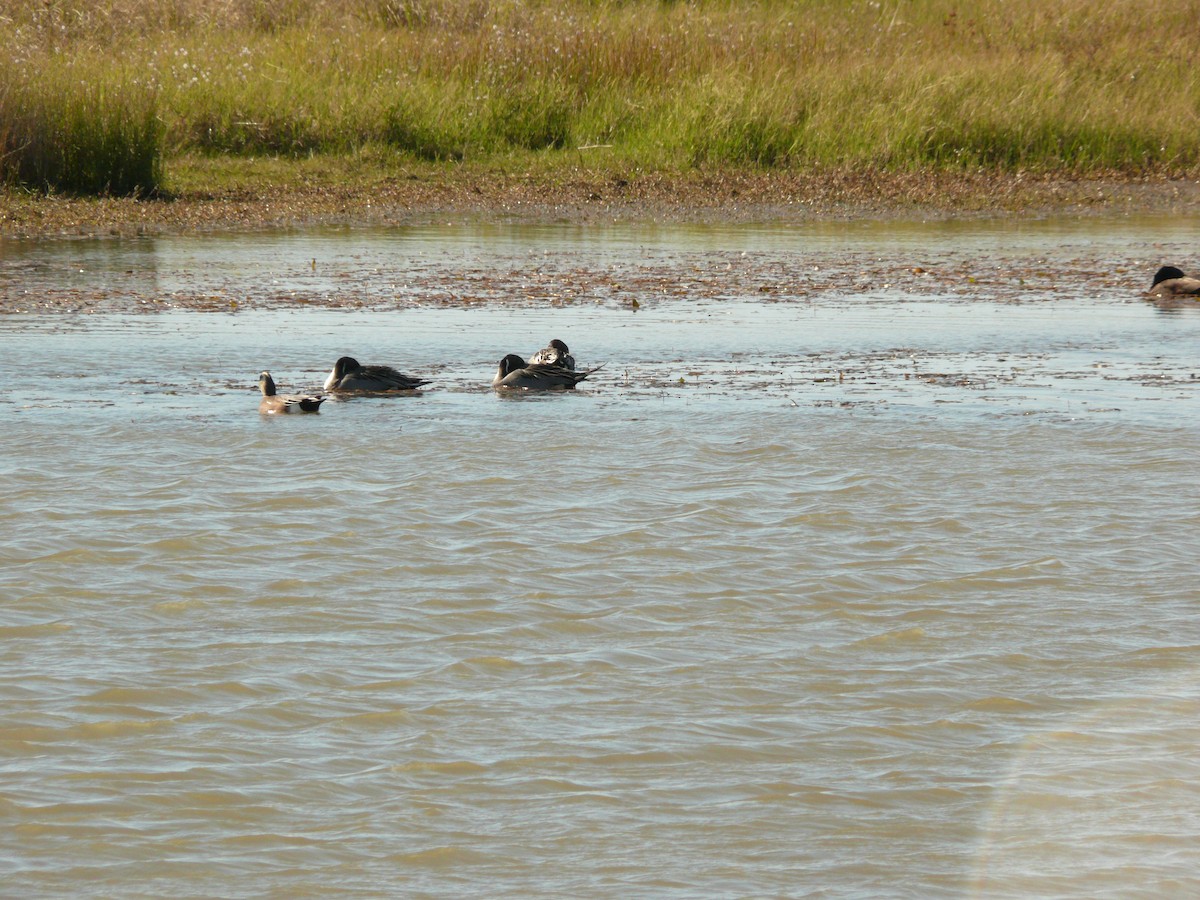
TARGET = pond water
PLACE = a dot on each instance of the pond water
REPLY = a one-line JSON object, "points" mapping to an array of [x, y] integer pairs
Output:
{"points": [[865, 566]]}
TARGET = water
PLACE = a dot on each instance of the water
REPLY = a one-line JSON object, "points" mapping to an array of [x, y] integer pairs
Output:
{"points": [[828, 592]]}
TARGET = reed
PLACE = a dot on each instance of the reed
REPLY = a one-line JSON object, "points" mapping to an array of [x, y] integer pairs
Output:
{"points": [[1017, 85]]}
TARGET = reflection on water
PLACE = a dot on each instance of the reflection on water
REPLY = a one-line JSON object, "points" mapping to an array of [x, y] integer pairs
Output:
{"points": [[883, 594]]}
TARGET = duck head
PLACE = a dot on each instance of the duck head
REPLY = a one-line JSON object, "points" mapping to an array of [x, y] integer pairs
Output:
{"points": [[509, 364], [1166, 273], [341, 369]]}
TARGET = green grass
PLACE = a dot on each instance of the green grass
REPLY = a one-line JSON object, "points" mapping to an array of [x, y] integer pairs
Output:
{"points": [[80, 136], [124, 87]]}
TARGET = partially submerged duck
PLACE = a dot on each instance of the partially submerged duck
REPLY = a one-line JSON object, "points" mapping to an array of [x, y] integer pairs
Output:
{"points": [[1172, 282], [273, 403], [350, 375], [556, 354], [514, 372]]}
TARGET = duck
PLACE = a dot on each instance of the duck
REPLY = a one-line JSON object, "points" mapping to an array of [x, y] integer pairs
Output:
{"points": [[514, 372], [350, 375], [556, 354], [1170, 282], [273, 403]]}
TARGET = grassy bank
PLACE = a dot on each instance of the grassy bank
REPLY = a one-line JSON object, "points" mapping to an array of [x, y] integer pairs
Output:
{"points": [[895, 85]]}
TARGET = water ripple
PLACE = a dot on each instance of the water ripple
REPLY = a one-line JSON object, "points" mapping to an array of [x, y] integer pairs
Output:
{"points": [[658, 638]]}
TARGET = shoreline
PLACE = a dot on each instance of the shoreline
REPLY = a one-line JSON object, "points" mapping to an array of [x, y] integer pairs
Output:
{"points": [[303, 198]]}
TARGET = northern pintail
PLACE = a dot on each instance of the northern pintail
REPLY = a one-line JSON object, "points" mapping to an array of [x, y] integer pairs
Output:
{"points": [[349, 375]]}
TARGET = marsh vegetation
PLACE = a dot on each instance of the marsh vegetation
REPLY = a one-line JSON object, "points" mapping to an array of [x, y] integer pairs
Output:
{"points": [[108, 96]]}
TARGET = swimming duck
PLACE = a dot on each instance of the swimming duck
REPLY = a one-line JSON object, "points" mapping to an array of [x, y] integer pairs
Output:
{"points": [[284, 403], [556, 354], [349, 375], [1170, 281], [514, 372]]}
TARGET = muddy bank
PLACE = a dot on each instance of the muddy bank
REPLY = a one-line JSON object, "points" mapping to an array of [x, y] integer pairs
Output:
{"points": [[40, 282], [585, 197], [366, 268]]}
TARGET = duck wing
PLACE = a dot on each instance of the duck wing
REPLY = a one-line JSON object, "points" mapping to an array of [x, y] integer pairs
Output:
{"points": [[379, 378]]}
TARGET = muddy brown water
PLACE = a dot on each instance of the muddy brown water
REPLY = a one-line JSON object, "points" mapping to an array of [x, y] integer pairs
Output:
{"points": [[864, 567]]}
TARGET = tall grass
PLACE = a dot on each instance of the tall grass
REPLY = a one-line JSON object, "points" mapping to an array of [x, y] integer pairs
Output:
{"points": [[1000, 84], [62, 133]]}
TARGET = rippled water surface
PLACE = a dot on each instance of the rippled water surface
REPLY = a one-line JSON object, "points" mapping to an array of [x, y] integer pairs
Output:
{"points": [[839, 579]]}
